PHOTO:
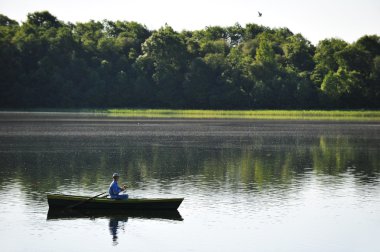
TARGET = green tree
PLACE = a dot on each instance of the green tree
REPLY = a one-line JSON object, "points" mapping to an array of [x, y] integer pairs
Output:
{"points": [[239, 75], [235, 35], [196, 86], [299, 53], [251, 31], [223, 94], [168, 53], [371, 45], [43, 19], [38, 41], [265, 72], [344, 87], [10, 66], [325, 58], [374, 91]]}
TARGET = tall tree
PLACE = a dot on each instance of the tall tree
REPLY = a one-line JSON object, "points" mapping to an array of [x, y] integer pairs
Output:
{"points": [[167, 51], [10, 66], [325, 58]]}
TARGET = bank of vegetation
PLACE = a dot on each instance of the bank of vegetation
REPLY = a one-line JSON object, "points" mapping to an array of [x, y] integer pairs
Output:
{"points": [[47, 63], [335, 115]]}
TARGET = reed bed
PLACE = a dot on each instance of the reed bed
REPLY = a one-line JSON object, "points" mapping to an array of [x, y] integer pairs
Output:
{"points": [[356, 115]]}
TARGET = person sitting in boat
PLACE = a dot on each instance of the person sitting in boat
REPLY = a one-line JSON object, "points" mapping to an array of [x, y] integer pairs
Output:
{"points": [[114, 189]]}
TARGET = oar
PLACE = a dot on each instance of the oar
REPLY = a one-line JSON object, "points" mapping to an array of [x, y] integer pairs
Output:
{"points": [[84, 201]]}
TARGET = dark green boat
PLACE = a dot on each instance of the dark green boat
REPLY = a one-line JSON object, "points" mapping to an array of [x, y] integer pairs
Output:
{"points": [[60, 201], [61, 214]]}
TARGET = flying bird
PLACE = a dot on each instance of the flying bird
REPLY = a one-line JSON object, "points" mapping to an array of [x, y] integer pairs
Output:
{"points": [[260, 14]]}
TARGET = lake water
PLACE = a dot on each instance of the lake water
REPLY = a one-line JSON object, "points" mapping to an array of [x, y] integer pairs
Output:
{"points": [[249, 185]]}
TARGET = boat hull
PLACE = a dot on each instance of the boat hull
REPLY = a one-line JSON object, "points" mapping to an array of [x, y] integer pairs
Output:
{"points": [[122, 214], [59, 201]]}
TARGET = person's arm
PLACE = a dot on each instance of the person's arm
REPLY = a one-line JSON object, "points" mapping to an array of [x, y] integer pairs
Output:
{"points": [[118, 189]]}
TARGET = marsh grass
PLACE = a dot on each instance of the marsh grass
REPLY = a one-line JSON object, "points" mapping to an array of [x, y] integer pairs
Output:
{"points": [[354, 115]]}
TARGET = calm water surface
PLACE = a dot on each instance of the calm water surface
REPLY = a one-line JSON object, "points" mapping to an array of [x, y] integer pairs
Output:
{"points": [[249, 185]]}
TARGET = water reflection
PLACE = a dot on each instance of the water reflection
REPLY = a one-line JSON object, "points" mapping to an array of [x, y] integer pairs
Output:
{"points": [[117, 219], [280, 181], [115, 224], [255, 164]]}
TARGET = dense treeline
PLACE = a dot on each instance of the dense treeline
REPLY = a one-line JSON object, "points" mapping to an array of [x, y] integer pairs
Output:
{"points": [[46, 63]]}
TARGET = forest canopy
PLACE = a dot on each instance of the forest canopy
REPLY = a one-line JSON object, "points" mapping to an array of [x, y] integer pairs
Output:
{"points": [[47, 63]]}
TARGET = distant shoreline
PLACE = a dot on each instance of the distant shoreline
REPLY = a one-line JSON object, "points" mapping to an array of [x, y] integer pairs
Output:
{"points": [[330, 115], [250, 114]]}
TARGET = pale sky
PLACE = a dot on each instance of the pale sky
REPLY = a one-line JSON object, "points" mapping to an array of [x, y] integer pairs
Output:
{"points": [[314, 19]]}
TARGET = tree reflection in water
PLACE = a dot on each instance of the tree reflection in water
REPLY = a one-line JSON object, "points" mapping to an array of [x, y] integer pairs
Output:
{"points": [[45, 159]]}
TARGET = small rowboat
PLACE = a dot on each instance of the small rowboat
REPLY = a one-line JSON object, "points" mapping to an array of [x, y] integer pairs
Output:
{"points": [[57, 201]]}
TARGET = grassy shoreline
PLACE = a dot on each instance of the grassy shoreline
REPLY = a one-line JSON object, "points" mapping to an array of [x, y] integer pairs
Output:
{"points": [[355, 115], [328, 115]]}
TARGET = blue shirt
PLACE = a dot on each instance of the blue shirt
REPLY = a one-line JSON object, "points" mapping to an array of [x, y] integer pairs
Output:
{"points": [[114, 190]]}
